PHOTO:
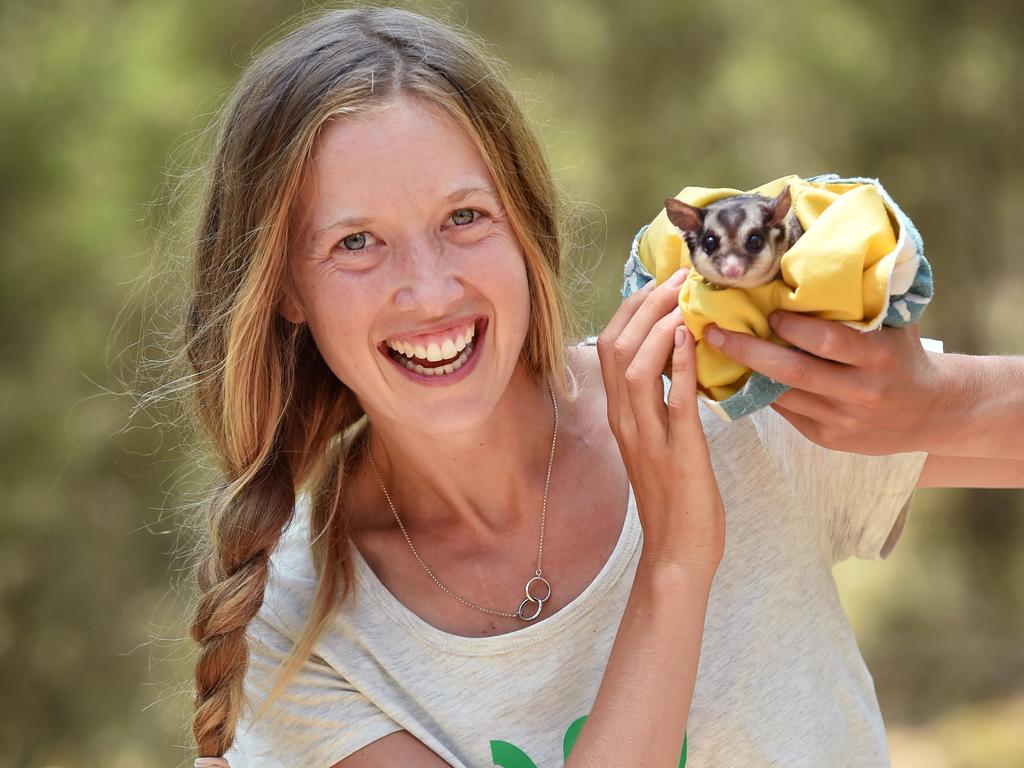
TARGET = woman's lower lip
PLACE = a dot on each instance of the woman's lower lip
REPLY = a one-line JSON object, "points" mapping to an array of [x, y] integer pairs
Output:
{"points": [[431, 380]]}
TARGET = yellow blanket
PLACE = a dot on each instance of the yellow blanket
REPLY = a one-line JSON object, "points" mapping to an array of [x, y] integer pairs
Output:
{"points": [[852, 257]]}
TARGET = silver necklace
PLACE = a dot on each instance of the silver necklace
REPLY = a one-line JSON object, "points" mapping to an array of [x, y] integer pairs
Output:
{"points": [[519, 613]]}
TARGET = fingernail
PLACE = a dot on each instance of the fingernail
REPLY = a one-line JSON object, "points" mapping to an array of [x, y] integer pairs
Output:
{"points": [[679, 275], [680, 336], [677, 311], [773, 320], [715, 336]]}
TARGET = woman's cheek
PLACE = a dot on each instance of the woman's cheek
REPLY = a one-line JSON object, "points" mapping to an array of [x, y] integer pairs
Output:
{"points": [[500, 257], [510, 278], [334, 333]]}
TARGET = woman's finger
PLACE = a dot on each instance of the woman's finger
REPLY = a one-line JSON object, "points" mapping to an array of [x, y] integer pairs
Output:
{"points": [[685, 432], [606, 350], [654, 307], [626, 310], [643, 378]]}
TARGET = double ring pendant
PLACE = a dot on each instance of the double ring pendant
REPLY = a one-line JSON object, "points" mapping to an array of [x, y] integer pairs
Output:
{"points": [[539, 601]]}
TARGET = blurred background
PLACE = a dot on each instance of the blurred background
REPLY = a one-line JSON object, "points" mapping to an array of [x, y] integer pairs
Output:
{"points": [[104, 105]]}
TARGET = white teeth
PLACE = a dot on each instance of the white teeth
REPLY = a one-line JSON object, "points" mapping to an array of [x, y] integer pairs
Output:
{"points": [[441, 370], [433, 352]]}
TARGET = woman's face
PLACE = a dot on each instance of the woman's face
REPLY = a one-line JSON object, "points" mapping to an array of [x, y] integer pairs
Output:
{"points": [[402, 238]]}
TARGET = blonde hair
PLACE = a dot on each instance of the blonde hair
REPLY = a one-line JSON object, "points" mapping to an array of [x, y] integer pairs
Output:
{"points": [[277, 420]]}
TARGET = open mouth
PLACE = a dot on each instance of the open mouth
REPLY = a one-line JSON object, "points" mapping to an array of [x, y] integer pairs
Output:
{"points": [[444, 368]]}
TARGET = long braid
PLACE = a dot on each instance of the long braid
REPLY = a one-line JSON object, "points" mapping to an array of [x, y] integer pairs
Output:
{"points": [[244, 528]]}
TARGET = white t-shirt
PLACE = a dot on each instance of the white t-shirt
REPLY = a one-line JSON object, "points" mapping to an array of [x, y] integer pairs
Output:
{"points": [[781, 680]]}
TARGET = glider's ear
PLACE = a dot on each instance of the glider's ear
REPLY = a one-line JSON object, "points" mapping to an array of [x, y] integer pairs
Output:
{"points": [[779, 208], [684, 215]]}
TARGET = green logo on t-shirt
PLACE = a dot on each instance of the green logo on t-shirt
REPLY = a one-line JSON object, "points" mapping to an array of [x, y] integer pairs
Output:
{"points": [[505, 755]]}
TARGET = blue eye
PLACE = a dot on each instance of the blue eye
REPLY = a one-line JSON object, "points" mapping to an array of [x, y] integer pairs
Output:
{"points": [[471, 213], [355, 242]]}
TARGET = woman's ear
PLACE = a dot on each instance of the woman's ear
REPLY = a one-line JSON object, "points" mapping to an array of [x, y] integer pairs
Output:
{"points": [[289, 307]]}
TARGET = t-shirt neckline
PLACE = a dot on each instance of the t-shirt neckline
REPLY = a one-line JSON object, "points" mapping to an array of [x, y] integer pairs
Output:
{"points": [[621, 556]]}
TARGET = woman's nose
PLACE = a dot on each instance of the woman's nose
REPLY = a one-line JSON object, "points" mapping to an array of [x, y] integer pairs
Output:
{"points": [[431, 283]]}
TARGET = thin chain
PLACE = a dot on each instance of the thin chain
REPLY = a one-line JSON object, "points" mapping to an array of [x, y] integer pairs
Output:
{"points": [[543, 515]]}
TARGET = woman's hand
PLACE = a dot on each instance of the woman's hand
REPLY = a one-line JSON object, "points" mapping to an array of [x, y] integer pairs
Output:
{"points": [[664, 448], [874, 393]]}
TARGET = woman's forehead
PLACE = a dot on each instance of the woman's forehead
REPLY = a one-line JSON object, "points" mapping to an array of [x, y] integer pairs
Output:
{"points": [[406, 151]]}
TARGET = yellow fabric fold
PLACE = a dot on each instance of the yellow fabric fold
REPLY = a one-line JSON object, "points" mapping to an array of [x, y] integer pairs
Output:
{"points": [[839, 269]]}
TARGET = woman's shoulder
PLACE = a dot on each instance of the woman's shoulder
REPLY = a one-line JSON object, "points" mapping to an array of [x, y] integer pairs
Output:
{"points": [[582, 360], [292, 578]]}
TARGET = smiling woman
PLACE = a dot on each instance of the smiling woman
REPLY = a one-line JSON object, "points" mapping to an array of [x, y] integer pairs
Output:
{"points": [[380, 230], [381, 358]]}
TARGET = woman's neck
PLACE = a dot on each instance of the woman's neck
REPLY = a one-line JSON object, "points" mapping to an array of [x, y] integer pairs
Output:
{"points": [[483, 482]]}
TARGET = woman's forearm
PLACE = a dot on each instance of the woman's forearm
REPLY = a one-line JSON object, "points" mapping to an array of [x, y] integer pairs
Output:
{"points": [[640, 714], [981, 407]]}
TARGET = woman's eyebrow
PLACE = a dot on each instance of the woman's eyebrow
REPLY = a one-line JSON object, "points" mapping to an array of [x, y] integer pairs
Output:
{"points": [[456, 196]]}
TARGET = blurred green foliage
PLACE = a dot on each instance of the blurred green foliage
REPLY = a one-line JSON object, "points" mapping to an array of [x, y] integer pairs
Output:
{"points": [[104, 107]]}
